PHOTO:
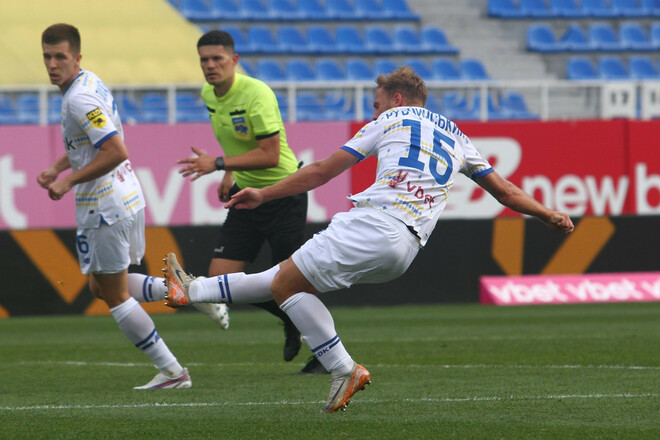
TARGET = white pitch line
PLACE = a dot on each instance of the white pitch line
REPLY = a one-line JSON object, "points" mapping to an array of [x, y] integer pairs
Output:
{"points": [[286, 402], [443, 366]]}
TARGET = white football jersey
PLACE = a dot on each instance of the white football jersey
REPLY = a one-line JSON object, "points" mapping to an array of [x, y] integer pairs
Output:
{"points": [[419, 154], [89, 118]]}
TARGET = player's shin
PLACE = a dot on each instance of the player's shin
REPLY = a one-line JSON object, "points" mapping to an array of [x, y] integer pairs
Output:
{"points": [[238, 288]]}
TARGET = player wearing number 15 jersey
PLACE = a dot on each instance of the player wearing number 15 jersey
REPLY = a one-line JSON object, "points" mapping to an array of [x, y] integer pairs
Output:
{"points": [[419, 154]]}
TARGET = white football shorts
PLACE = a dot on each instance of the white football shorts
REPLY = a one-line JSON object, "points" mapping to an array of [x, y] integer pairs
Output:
{"points": [[361, 246], [110, 249]]}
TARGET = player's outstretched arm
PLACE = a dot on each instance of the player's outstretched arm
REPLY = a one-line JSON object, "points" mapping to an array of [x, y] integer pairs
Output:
{"points": [[305, 179], [513, 197]]}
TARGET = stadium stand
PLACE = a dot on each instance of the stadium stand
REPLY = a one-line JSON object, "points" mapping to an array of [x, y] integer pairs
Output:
{"points": [[581, 68], [641, 67], [611, 67]]}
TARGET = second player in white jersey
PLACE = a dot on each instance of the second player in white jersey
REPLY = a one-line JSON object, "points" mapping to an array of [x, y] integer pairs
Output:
{"points": [[417, 165], [89, 118]]}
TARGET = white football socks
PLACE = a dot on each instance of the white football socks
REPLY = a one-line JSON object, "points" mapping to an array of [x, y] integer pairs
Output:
{"points": [[315, 322], [139, 328], [145, 288], [239, 288]]}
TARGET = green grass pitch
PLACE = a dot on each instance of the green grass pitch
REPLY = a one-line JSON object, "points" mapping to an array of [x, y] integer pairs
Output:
{"points": [[439, 372]]}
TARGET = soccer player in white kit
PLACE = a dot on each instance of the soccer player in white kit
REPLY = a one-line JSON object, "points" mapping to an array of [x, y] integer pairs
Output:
{"points": [[419, 154], [109, 200]]}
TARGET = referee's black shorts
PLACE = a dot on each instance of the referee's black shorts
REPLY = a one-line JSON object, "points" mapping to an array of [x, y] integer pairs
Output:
{"points": [[280, 222]]}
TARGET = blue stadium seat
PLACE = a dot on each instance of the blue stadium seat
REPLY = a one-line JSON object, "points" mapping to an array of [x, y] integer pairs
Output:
{"points": [[612, 68], [154, 107], [537, 9], [314, 10], [514, 105], [269, 70], [629, 8], [370, 10], [190, 108], [197, 10], [541, 38], [27, 108], [320, 40], [654, 36], [505, 9], [241, 44], [641, 67], [378, 40], [599, 9], [339, 107], [7, 110], [256, 10], [248, 67], [227, 10], [445, 70], [399, 10], [342, 10], [652, 7], [299, 70], [407, 40], [129, 110], [328, 69], [54, 108], [420, 67], [634, 37], [358, 70], [292, 40], [435, 38], [262, 40], [285, 10], [349, 40], [581, 68], [605, 37], [309, 107], [473, 70], [433, 104], [384, 65], [575, 39], [568, 8], [283, 104]]}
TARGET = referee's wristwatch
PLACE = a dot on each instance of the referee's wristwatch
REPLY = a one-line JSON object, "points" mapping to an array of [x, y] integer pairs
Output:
{"points": [[220, 163]]}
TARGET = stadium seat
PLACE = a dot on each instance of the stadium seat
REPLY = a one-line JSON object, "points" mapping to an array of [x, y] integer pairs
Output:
{"points": [[612, 68], [197, 10], [328, 69], [654, 36], [505, 9], [358, 70], [433, 104], [292, 40], [634, 37], [652, 7], [256, 10], [248, 67], [190, 108], [309, 107], [420, 67], [54, 108], [514, 105], [339, 107], [283, 104], [241, 44], [473, 70], [568, 9], [399, 10], [299, 70], [378, 40], [314, 10], [629, 8], [435, 38], [384, 65], [641, 67], [262, 40], [227, 10], [599, 9], [154, 107], [370, 10], [349, 40], [605, 37], [541, 38], [445, 70], [342, 10], [129, 110], [7, 110], [27, 108], [285, 10], [269, 70], [320, 40], [407, 40], [537, 9], [575, 39], [581, 68]]}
